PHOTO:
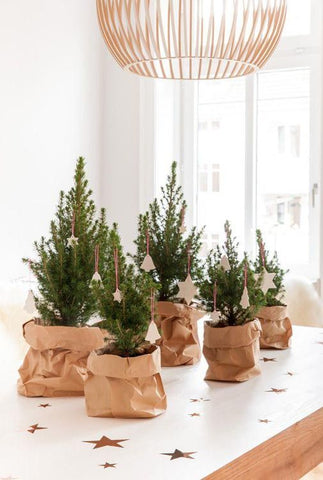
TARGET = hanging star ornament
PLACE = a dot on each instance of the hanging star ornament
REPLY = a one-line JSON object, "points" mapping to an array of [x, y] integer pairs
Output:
{"points": [[182, 229], [72, 241], [105, 442], [179, 454], [148, 264], [244, 302], [108, 465], [224, 263], [267, 280], [117, 296], [187, 289], [33, 428], [30, 306]]}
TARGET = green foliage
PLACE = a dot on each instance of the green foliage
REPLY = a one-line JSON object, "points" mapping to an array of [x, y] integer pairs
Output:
{"points": [[64, 272], [127, 321], [272, 265], [229, 284], [168, 246]]}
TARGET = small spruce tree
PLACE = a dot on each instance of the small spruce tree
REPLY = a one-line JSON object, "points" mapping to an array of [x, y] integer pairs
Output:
{"points": [[168, 247], [128, 320], [64, 269], [229, 284], [274, 296]]}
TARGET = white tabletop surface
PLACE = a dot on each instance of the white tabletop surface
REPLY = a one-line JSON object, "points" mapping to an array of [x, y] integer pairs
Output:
{"points": [[228, 426]]}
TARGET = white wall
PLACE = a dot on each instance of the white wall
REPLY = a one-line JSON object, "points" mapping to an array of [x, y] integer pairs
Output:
{"points": [[51, 111]]}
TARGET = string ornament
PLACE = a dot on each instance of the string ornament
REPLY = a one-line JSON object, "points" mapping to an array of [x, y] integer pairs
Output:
{"points": [[96, 276], [152, 333], [182, 228], [147, 264], [244, 302], [215, 315], [72, 240], [117, 295], [187, 289]]}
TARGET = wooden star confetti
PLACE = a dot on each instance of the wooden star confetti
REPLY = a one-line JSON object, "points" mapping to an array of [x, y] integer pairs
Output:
{"points": [[179, 454], [264, 421], [187, 289], [267, 359], [277, 390], [267, 281], [44, 405], [201, 399], [105, 442], [194, 414], [108, 465], [290, 374], [33, 428]]}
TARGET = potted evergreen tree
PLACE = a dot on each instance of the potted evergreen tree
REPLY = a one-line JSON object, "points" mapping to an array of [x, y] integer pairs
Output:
{"points": [[123, 378], [172, 261], [276, 326], [231, 294], [59, 340]]}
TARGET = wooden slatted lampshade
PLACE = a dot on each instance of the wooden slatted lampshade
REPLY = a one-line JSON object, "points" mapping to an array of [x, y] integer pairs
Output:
{"points": [[191, 39]]}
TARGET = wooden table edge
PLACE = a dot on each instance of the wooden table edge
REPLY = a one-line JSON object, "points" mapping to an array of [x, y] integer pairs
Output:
{"points": [[288, 455]]}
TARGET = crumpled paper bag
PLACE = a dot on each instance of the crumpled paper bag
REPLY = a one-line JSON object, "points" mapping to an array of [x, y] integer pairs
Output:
{"points": [[50, 367], [124, 387], [276, 327], [179, 341], [233, 353]]}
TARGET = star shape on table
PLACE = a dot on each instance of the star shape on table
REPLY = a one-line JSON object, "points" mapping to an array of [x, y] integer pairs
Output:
{"points": [[33, 428], [179, 454], [267, 281], [194, 414], [277, 390], [108, 465], [264, 420], [44, 405], [117, 296], [187, 289], [267, 359], [106, 442], [72, 241]]}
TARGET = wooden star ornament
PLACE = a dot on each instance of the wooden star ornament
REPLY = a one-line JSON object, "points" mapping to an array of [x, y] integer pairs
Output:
{"points": [[106, 442], [33, 428], [187, 289], [117, 296], [72, 241], [108, 465], [267, 280], [179, 454]]}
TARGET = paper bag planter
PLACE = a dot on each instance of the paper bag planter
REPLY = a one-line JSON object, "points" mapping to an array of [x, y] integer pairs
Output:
{"points": [[232, 296], [179, 342], [276, 327], [124, 387], [232, 353], [51, 365]]}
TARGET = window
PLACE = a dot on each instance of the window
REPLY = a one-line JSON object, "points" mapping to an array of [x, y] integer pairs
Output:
{"points": [[249, 148]]}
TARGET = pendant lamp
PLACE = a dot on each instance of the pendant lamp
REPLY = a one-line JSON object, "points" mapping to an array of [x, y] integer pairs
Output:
{"points": [[191, 39]]}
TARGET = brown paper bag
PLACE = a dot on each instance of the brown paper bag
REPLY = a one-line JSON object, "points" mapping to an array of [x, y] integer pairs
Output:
{"points": [[179, 341], [276, 327], [50, 367], [124, 387], [232, 352]]}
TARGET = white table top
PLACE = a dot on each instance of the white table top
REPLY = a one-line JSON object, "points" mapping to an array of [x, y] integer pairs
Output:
{"points": [[228, 426]]}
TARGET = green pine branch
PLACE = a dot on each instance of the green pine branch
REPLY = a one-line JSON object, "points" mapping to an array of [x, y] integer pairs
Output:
{"points": [[64, 272], [168, 246]]}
